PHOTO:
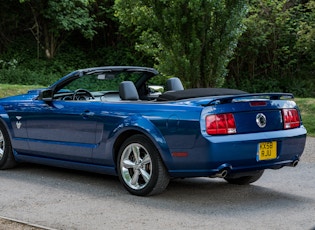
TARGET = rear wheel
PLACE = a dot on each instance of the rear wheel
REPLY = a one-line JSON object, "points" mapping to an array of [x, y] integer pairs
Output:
{"points": [[245, 179], [140, 167], [6, 156]]}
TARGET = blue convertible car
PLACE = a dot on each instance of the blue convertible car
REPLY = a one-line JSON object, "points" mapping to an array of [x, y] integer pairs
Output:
{"points": [[110, 120]]}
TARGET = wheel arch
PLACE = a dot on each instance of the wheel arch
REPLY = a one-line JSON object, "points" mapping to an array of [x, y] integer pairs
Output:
{"points": [[151, 133], [5, 121], [120, 140], [7, 159]]}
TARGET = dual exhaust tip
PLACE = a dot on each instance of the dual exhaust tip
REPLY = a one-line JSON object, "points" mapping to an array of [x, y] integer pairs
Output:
{"points": [[224, 172], [221, 174]]}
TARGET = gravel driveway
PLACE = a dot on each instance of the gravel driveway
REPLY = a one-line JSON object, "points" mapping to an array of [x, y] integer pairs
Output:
{"points": [[309, 151], [278, 199]]}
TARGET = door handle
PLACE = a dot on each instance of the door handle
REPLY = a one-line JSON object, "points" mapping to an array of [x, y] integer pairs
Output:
{"points": [[87, 114]]}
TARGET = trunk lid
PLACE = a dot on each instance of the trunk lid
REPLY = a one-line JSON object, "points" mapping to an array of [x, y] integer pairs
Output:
{"points": [[252, 112]]}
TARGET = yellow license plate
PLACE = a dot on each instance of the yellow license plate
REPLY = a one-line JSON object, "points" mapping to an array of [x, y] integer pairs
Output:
{"points": [[267, 151]]}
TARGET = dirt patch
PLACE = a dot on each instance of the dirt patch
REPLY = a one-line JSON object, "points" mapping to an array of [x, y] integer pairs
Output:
{"points": [[12, 225]]}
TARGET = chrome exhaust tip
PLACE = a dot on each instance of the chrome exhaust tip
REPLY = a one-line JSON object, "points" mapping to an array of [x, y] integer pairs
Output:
{"points": [[294, 163], [221, 174]]}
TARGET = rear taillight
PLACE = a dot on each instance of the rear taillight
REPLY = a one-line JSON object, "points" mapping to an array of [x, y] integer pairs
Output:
{"points": [[291, 118], [220, 124]]}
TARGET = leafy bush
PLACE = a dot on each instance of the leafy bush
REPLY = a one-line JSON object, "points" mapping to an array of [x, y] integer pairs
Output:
{"points": [[27, 70], [276, 52], [26, 77], [298, 86], [8, 64]]}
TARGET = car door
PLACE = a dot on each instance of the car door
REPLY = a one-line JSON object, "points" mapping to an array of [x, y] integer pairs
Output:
{"points": [[61, 129]]}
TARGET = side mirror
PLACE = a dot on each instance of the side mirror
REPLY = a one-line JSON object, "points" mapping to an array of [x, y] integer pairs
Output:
{"points": [[46, 95]]}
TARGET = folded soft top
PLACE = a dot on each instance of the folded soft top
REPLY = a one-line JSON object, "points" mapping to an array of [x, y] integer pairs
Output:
{"points": [[197, 92]]}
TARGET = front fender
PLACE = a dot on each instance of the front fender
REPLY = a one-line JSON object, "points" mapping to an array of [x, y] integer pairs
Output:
{"points": [[18, 137]]}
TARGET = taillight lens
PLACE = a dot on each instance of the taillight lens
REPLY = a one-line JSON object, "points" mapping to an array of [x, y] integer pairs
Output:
{"points": [[291, 118], [220, 124], [258, 103]]}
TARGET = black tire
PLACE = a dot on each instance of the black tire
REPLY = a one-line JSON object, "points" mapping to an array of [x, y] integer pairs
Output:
{"points": [[140, 167], [244, 180], [6, 155]]}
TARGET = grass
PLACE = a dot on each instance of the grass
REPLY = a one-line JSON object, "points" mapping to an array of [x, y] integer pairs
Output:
{"points": [[306, 105], [9, 90]]}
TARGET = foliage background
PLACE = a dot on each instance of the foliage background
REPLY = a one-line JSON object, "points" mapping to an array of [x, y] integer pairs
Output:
{"points": [[40, 41]]}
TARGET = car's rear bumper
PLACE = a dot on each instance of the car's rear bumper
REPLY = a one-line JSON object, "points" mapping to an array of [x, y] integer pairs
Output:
{"points": [[238, 153]]}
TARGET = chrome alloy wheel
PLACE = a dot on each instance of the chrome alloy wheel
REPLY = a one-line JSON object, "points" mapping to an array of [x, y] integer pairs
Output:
{"points": [[2, 145], [136, 166]]}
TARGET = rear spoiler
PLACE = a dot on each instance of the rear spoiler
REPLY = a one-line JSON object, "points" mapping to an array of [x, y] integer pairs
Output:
{"points": [[250, 97]]}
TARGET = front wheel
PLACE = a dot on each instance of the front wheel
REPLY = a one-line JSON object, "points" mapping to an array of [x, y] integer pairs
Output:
{"points": [[244, 180], [140, 167], [6, 156]]}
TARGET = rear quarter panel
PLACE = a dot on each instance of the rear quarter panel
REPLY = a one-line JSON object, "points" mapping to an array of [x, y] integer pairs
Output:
{"points": [[168, 126]]}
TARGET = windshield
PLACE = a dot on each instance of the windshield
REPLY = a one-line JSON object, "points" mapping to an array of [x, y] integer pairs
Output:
{"points": [[101, 82]]}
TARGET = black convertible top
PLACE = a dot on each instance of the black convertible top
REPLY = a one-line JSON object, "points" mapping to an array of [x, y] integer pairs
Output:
{"points": [[197, 92]]}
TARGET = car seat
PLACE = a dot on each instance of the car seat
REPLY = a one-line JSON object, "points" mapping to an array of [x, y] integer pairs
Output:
{"points": [[128, 91]]}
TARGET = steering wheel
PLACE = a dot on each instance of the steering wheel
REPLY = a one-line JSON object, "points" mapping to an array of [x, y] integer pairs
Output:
{"points": [[82, 94]]}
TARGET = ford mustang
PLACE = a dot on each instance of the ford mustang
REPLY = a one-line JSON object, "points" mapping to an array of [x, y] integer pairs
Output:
{"points": [[121, 120]]}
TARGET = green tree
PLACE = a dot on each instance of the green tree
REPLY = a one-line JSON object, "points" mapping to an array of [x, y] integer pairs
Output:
{"points": [[190, 39], [9, 23], [276, 53], [54, 20], [305, 43]]}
